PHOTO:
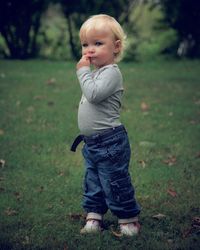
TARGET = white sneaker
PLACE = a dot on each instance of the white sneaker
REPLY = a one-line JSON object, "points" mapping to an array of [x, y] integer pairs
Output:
{"points": [[130, 229], [91, 226]]}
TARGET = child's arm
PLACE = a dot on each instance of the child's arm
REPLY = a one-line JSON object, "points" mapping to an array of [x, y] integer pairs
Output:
{"points": [[96, 90]]}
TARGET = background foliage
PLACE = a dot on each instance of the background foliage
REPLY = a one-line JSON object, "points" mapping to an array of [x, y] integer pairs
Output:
{"points": [[49, 28]]}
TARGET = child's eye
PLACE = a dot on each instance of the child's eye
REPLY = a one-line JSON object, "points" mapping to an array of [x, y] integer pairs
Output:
{"points": [[84, 45], [98, 43]]}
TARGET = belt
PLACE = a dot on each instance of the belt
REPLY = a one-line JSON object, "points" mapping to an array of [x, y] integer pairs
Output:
{"points": [[96, 138], [76, 142]]}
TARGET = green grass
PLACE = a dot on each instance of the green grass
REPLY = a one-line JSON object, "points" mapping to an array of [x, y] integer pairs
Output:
{"points": [[41, 181]]}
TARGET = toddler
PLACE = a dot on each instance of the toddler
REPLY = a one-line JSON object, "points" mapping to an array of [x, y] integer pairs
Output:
{"points": [[106, 151]]}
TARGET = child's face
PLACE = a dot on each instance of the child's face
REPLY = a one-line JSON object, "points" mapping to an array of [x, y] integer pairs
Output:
{"points": [[100, 47]]}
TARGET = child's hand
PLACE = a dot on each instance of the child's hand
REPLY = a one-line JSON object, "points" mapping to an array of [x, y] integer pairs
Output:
{"points": [[84, 61]]}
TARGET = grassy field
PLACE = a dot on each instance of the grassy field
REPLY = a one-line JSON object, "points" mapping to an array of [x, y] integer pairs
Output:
{"points": [[41, 180]]}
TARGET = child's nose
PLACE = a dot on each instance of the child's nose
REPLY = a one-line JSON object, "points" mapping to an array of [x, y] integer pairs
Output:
{"points": [[91, 49]]}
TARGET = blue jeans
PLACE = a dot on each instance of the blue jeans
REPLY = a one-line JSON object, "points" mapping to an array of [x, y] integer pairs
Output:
{"points": [[107, 183]]}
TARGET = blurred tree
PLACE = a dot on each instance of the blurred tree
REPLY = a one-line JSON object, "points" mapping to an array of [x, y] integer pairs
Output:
{"points": [[77, 11], [53, 36], [184, 17], [19, 25]]}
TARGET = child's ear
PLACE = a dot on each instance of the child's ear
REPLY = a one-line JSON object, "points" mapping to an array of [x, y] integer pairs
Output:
{"points": [[118, 46]]}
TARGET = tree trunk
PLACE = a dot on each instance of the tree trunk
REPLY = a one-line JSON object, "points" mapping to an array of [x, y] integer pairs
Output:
{"points": [[74, 51]]}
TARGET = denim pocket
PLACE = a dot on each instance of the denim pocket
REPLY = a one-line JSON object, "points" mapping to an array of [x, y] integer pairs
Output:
{"points": [[121, 187], [118, 149], [114, 154]]}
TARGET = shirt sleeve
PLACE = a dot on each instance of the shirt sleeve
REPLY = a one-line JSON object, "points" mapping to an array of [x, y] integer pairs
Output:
{"points": [[98, 89]]}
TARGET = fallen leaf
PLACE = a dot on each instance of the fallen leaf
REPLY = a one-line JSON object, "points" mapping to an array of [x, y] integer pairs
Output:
{"points": [[51, 81], [159, 216], [2, 189], [17, 195], [143, 197], [117, 234], [172, 192], [41, 189], [2, 163], [1, 132], [76, 216], [65, 247], [38, 97], [50, 103], [170, 161], [147, 144], [29, 120], [194, 229], [30, 109], [26, 240], [62, 202], [193, 122], [198, 155], [196, 221], [50, 206], [187, 232], [197, 102], [144, 107], [142, 163], [18, 103], [10, 212], [61, 173]]}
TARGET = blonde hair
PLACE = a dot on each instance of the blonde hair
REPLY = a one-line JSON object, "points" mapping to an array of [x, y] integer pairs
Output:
{"points": [[102, 21]]}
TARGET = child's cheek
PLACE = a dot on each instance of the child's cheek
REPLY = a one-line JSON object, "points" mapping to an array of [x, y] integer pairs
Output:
{"points": [[84, 52]]}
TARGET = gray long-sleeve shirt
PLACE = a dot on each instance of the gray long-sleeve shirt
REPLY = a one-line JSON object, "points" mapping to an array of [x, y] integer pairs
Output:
{"points": [[101, 99]]}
